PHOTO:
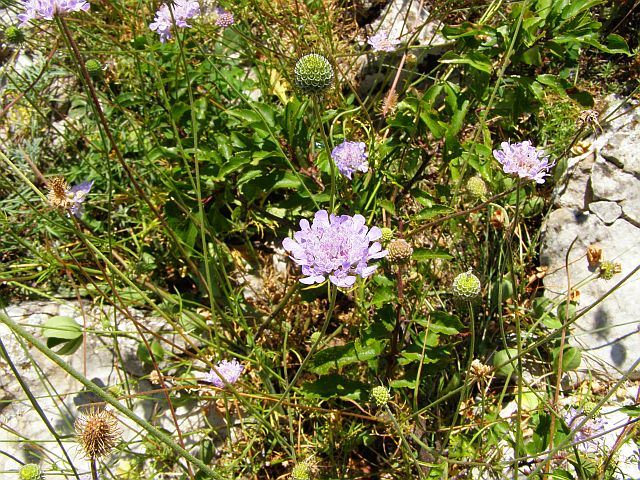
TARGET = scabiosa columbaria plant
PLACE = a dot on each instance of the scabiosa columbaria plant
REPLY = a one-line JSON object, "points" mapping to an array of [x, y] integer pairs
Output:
{"points": [[335, 246], [223, 18], [47, 9], [350, 157], [182, 10], [229, 371], [313, 74], [62, 197], [30, 471], [97, 432], [524, 159], [381, 42], [589, 433], [466, 285]]}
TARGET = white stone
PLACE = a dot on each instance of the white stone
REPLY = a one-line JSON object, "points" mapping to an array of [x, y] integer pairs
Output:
{"points": [[610, 183], [608, 212]]}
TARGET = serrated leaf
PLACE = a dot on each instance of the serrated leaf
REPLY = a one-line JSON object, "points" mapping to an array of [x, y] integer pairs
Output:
{"points": [[334, 385], [384, 295], [445, 324], [338, 357]]}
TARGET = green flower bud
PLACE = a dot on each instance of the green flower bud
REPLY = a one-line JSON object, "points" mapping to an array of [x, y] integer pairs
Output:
{"points": [[94, 67], [30, 471], [302, 471], [466, 285], [477, 187], [400, 251], [608, 269], [313, 74], [14, 35], [380, 396], [387, 235]]}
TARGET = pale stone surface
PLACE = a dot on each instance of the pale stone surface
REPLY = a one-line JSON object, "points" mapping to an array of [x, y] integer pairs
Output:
{"points": [[25, 434], [599, 203], [608, 212]]}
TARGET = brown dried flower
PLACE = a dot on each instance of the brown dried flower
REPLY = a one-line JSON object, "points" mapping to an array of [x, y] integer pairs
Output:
{"points": [[498, 219], [58, 195], [97, 432], [594, 255], [400, 251], [480, 371]]}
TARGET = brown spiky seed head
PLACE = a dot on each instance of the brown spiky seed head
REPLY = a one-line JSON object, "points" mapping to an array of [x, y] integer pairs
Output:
{"points": [[58, 195], [97, 432], [400, 251]]}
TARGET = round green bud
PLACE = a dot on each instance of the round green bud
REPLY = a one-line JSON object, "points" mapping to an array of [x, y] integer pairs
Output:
{"points": [[313, 74], [30, 471], [387, 235], [14, 35], [94, 67], [302, 471], [477, 187], [466, 285], [400, 251], [380, 395]]}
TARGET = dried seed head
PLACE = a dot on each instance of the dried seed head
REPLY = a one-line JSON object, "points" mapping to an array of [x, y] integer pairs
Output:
{"points": [[58, 195], [466, 285], [400, 251], [594, 255], [480, 371], [97, 432]]}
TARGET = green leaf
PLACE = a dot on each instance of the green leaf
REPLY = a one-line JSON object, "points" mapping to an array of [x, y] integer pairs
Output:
{"points": [[334, 385], [338, 357], [420, 254], [504, 361], [384, 295], [432, 211], [445, 324], [143, 353], [388, 206], [64, 332], [476, 60], [571, 358]]}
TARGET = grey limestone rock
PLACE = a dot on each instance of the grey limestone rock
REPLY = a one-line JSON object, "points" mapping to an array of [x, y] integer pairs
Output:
{"points": [[608, 212]]}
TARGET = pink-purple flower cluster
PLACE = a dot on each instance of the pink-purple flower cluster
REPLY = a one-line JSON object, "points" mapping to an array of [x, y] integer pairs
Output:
{"points": [[588, 436], [381, 42], [224, 19], [47, 9], [524, 159], [335, 246], [229, 371], [77, 195], [182, 11], [350, 157]]}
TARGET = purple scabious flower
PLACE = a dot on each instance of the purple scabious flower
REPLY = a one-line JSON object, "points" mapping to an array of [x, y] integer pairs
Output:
{"points": [[47, 9], [224, 19], [381, 42], [588, 437], [334, 246], [77, 195], [182, 11], [229, 371], [524, 159], [350, 157]]}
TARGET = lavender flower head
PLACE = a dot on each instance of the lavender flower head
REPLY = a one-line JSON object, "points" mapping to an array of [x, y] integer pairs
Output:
{"points": [[524, 159], [77, 195], [229, 371], [381, 42], [593, 427], [334, 246], [62, 197], [350, 157], [224, 19], [47, 9], [182, 11]]}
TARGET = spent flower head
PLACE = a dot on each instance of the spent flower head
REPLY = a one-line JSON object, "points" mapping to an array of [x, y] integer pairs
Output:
{"points": [[224, 19], [182, 10], [524, 159], [381, 42], [62, 197], [47, 9], [350, 157], [466, 285], [97, 432], [313, 74], [608, 269], [400, 251], [229, 371], [337, 246]]}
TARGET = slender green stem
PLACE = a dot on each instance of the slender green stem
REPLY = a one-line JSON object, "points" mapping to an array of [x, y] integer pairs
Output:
{"points": [[327, 146]]}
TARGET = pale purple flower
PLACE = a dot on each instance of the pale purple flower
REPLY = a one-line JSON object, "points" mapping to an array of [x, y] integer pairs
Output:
{"points": [[588, 437], [77, 195], [350, 157], [224, 19], [229, 371], [524, 159], [182, 11], [381, 42], [334, 246], [47, 9]]}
